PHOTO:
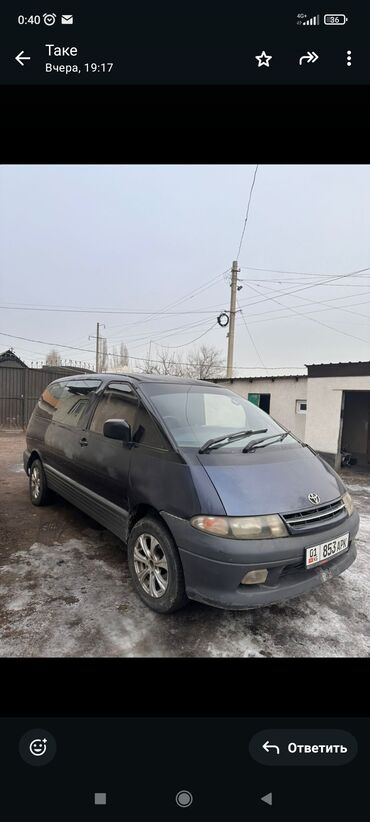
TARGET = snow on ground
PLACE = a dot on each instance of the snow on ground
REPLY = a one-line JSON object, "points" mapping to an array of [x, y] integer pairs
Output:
{"points": [[75, 599], [65, 590]]}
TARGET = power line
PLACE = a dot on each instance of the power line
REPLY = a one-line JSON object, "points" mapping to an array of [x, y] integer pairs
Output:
{"points": [[173, 331], [319, 322], [265, 283], [323, 302], [247, 214], [91, 351], [312, 302], [305, 287], [251, 338], [190, 341], [300, 273], [187, 296], [101, 311]]}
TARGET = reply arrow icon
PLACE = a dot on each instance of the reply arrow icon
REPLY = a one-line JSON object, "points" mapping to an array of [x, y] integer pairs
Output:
{"points": [[20, 57], [311, 57], [268, 747]]}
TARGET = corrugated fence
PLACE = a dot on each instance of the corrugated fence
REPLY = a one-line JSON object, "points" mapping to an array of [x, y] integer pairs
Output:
{"points": [[20, 389]]}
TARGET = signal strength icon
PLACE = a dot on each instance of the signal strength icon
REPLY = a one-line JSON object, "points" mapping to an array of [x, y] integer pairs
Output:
{"points": [[313, 21]]}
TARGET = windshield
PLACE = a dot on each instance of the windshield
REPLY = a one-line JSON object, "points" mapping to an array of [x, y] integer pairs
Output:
{"points": [[195, 414]]}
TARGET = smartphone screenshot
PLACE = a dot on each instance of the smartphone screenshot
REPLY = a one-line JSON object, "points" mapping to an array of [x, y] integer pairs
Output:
{"points": [[184, 486]]}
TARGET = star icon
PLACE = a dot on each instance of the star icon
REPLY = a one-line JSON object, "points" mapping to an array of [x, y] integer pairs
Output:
{"points": [[263, 59]]}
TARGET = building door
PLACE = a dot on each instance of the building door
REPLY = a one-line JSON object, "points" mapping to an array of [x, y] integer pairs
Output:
{"points": [[262, 400]]}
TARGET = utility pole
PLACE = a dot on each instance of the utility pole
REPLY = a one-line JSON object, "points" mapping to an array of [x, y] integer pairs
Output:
{"points": [[231, 334], [97, 339], [97, 348]]}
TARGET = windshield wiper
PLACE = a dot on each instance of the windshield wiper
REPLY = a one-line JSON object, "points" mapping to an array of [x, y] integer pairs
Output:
{"points": [[256, 443], [218, 442]]}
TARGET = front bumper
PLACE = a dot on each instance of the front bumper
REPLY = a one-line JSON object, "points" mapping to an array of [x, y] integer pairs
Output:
{"points": [[213, 566]]}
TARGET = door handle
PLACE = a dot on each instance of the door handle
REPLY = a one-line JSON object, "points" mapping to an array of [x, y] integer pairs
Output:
{"points": [[83, 441]]}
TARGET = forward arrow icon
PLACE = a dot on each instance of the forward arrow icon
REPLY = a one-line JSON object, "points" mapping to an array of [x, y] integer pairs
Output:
{"points": [[311, 57]]}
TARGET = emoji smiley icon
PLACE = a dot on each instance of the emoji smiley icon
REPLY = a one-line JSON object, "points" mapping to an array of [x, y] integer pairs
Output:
{"points": [[38, 747]]}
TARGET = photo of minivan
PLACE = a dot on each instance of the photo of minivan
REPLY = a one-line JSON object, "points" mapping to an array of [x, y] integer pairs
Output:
{"points": [[214, 499]]}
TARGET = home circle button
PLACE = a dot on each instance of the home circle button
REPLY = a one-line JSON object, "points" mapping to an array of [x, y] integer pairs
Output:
{"points": [[184, 799]]}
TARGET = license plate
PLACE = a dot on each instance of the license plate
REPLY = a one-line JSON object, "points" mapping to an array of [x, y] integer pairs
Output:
{"points": [[326, 551]]}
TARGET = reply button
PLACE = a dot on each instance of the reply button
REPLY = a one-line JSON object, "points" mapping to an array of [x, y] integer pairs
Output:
{"points": [[303, 747]]}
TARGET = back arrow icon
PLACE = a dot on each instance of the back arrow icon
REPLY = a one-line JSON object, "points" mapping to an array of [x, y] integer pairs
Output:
{"points": [[311, 57], [267, 747], [20, 57]]}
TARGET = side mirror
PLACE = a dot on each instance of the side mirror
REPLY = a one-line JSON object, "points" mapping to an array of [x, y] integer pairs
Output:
{"points": [[117, 430]]}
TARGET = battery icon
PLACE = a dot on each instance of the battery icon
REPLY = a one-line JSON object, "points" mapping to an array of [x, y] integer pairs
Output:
{"points": [[335, 19]]}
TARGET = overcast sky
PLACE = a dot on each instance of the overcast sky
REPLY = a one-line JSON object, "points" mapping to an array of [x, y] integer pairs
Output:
{"points": [[138, 238]]}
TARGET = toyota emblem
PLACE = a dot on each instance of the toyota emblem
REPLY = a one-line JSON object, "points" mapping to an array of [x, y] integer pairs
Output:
{"points": [[314, 498]]}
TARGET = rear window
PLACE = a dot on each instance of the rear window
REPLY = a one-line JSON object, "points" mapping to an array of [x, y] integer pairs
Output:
{"points": [[65, 402]]}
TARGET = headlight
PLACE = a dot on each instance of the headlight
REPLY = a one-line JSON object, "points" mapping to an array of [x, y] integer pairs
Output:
{"points": [[348, 503], [265, 527]]}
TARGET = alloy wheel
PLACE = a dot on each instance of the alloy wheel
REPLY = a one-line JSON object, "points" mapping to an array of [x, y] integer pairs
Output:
{"points": [[151, 566], [35, 482]]}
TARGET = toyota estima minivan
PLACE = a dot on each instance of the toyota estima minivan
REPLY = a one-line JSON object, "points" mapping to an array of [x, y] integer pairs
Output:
{"points": [[215, 500]]}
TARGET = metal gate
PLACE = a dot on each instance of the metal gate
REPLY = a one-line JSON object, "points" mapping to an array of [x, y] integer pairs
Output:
{"points": [[20, 389]]}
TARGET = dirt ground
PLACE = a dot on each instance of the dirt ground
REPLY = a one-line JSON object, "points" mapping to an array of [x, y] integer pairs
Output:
{"points": [[65, 591]]}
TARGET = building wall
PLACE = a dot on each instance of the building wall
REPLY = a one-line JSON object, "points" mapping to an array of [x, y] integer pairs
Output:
{"points": [[284, 393], [324, 402]]}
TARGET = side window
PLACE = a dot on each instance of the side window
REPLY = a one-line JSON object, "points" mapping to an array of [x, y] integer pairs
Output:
{"points": [[147, 431], [74, 401], [65, 402], [50, 398], [115, 404]]}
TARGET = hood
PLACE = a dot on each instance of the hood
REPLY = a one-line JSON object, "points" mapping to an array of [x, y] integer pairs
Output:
{"points": [[277, 479]]}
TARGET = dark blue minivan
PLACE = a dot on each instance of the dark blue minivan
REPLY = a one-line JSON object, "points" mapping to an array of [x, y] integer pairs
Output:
{"points": [[215, 500]]}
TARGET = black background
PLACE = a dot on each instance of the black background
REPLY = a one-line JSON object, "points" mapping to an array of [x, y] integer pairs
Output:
{"points": [[188, 687], [142, 763]]}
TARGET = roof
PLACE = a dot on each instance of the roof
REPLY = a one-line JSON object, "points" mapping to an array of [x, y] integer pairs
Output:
{"points": [[339, 369], [163, 378], [262, 377], [9, 356], [357, 362], [71, 369]]}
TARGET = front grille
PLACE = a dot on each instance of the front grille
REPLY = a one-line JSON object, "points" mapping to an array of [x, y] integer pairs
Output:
{"points": [[312, 519]]}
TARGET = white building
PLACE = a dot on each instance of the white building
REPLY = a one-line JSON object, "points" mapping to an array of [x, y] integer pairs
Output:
{"points": [[329, 408]]}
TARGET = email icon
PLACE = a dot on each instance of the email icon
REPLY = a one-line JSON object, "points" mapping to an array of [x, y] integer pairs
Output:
{"points": [[67, 19]]}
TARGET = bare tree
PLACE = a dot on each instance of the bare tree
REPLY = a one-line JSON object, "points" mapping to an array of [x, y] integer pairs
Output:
{"points": [[204, 363], [123, 355], [53, 358], [201, 364], [113, 357], [118, 358], [164, 363], [104, 355]]}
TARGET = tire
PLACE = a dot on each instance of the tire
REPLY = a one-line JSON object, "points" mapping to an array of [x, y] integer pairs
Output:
{"points": [[152, 554], [39, 492]]}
